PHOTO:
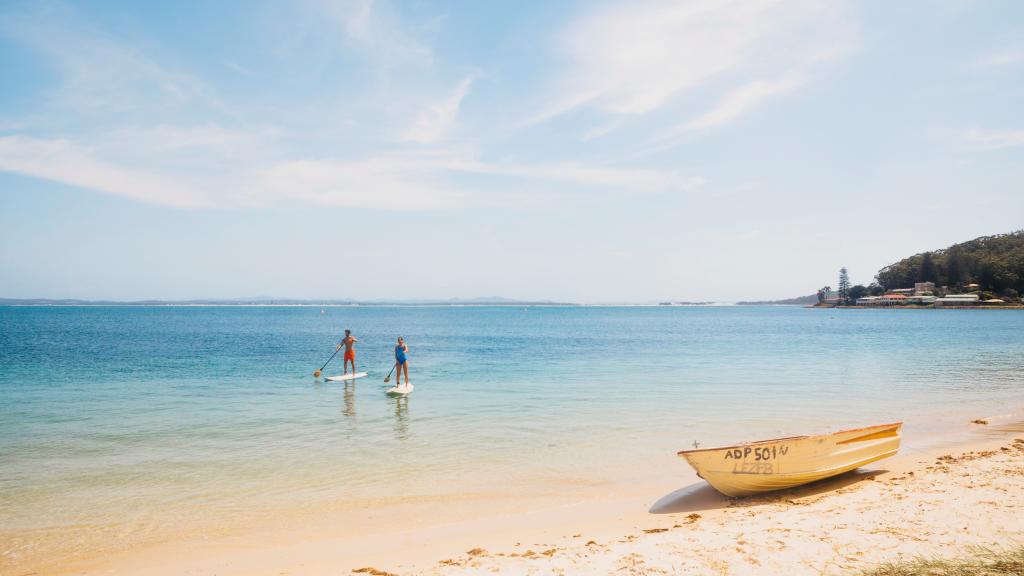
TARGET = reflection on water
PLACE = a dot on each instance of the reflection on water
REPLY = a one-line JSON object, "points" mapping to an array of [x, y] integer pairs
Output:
{"points": [[350, 400], [401, 417]]}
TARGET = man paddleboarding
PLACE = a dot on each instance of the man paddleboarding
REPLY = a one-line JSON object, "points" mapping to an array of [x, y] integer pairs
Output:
{"points": [[401, 362], [349, 342]]}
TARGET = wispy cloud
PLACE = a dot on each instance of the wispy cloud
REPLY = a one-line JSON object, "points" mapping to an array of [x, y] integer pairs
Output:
{"points": [[739, 101], [374, 27], [148, 167], [155, 133], [98, 73], [635, 58], [382, 183], [1007, 57], [436, 120], [66, 162], [979, 139]]}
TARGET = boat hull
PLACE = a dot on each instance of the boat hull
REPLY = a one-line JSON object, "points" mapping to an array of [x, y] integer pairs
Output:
{"points": [[758, 467]]}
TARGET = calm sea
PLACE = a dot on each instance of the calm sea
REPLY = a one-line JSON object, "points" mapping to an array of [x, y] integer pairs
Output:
{"points": [[126, 420]]}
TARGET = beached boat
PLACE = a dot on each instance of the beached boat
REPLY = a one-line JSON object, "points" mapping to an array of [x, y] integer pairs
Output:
{"points": [[768, 465]]}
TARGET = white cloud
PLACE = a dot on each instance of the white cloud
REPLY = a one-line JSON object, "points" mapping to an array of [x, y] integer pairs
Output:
{"points": [[980, 139], [211, 157], [739, 101], [602, 130], [635, 58], [429, 181], [1007, 57], [65, 162], [381, 183], [627, 180], [207, 138], [136, 165], [98, 73], [437, 119], [375, 28]]}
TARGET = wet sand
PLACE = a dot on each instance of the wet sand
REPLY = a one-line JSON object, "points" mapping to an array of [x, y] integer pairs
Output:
{"points": [[936, 499]]}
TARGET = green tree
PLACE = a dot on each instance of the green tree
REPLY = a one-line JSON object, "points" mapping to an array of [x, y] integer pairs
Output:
{"points": [[824, 293], [844, 286], [927, 272], [994, 262], [857, 292], [954, 268]]}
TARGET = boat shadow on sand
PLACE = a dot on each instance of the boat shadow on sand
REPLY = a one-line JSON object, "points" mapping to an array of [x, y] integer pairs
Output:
{"points": [[701, 496]]}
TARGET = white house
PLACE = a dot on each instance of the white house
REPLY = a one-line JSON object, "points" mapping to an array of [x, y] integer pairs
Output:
{"points": [[957, 300]]}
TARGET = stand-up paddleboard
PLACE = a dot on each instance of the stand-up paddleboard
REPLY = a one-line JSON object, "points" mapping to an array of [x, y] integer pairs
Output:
{"points": [[343, 377], [402, 390]]}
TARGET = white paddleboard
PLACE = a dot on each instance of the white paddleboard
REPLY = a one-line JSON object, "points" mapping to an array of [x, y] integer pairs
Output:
{"points": [[400, 390], [343, 377]]}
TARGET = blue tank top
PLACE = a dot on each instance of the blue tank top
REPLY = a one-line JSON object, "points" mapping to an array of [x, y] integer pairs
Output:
{"points": [[399, 354]]}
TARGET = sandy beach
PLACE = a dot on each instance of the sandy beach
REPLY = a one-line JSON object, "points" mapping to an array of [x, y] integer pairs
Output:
{"points": [[384, 288], [937, 500]]}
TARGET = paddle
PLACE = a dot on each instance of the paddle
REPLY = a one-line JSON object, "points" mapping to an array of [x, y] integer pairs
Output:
{"points": [[388, 377], [316, 374]]}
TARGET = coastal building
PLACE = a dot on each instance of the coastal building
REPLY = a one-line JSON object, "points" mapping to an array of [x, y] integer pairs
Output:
{"points": [[924, 287], [892, 299], [957, 300], [921, 299], [867, 301], [904, 291]]}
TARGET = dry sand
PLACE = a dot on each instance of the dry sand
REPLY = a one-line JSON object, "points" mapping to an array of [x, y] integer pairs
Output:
{"points": [[849, 524], [937, 501]]}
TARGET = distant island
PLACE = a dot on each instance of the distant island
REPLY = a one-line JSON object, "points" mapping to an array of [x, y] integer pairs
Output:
{"points": [[798, 301]]}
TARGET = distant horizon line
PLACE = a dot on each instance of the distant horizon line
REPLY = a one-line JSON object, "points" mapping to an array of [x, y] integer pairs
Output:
{"points": [[340, 303]]}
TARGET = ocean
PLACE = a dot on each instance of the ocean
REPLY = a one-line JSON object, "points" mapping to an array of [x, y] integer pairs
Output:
{"points": [[127, 425]]}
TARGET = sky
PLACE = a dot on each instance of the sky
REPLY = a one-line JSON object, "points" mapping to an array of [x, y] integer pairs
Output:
{"points": [[573, 151]]}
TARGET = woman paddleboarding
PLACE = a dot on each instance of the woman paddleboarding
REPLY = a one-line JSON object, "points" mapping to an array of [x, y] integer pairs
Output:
{"points": [[401, 362]]}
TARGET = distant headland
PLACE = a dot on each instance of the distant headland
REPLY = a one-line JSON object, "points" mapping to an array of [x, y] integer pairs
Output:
{"points": [[987, 272]]}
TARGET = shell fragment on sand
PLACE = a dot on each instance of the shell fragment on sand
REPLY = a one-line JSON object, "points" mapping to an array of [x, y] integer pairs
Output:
{"points": [[768, 465]]}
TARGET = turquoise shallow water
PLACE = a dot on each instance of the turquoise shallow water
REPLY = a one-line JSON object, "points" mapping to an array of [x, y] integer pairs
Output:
{"points": [[129, 419]]}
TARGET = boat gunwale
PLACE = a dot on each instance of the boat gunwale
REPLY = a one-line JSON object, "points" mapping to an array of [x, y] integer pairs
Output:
{"points": [[773, 440]]}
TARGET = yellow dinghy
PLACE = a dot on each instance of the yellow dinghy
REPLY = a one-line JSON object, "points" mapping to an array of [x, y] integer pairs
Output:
{"points": [[768, 465]]}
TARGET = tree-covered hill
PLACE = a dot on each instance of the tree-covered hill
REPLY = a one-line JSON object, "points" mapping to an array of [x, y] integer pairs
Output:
{"points": [[996, 263]]}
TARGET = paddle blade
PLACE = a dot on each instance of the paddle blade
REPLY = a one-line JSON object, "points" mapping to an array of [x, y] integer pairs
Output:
{"points": [[387, 379], [316, 373]]}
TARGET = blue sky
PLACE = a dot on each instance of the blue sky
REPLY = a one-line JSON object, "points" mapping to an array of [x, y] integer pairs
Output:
{"points": [[584, 151]]}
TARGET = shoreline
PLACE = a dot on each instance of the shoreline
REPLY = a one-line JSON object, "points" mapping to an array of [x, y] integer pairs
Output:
{"points": [[912, 307], [529, 532]]}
